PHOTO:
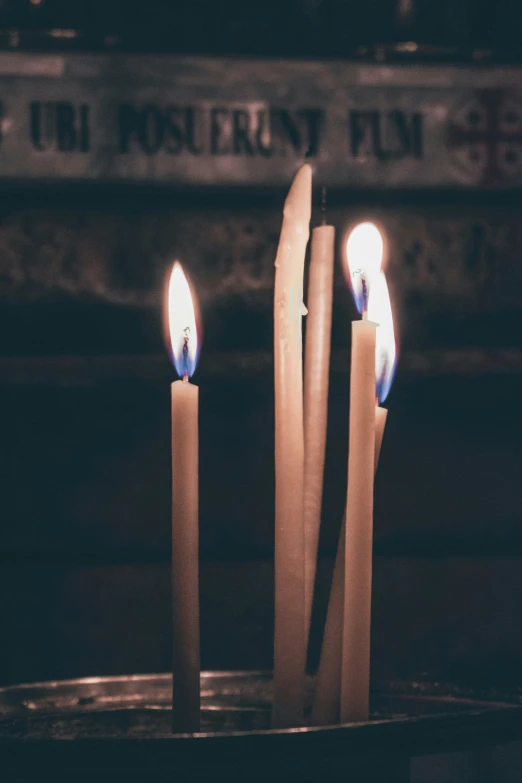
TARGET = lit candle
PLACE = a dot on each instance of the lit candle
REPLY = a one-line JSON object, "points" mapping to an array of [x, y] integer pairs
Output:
{"points": [[289, 633], [355, 666], [326, 700], [328, 683], [316, 376], [185, 582], [364, 250]]}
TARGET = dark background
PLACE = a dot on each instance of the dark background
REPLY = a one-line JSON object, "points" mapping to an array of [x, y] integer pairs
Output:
{"points": [[84, 382], [304, 28]]}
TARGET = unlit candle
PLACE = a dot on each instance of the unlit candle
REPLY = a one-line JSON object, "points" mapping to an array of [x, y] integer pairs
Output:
{"points": [[316, 377], [289, 634]]}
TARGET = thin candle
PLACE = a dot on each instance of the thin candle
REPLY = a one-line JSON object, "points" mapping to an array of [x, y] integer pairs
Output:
{"points": [[185, 490], [328, 682], [364, 251], [355, 665], [316, 378], [289, 633]]}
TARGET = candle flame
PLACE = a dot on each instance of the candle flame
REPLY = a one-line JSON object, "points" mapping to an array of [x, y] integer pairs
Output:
{"points": [[364, 251], [182, 323], [380, 312]]}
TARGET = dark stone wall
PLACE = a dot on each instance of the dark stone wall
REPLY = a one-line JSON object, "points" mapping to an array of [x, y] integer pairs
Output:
{"points": [[452, 268]]}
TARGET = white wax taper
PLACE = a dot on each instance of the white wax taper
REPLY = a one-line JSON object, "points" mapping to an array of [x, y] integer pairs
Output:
{"points": [[185, 503], [289, 632], [355, 658], [185, 536], [316, 380], [328, 682]]}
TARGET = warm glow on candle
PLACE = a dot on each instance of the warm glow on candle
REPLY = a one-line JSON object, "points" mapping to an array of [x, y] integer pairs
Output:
{"points": [[182, 323], [380, 312], [364, 251]]}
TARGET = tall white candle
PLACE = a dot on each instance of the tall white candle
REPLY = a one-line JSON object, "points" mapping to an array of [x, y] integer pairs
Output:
{"points": [[289, 634], [326, 702], [355, 661], [364, 254], [316, 378], [185, 582], [328, 683]]}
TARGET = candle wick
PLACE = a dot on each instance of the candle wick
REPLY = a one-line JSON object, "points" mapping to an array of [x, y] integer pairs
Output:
{"points": [[186, 337], [364, 294]]}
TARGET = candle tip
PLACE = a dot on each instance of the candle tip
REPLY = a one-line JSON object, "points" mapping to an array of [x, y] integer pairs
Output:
{"points": [[299, 199]]}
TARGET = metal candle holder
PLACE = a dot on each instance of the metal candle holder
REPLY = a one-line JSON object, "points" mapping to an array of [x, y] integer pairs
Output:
{"points": [[121, 732]]}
